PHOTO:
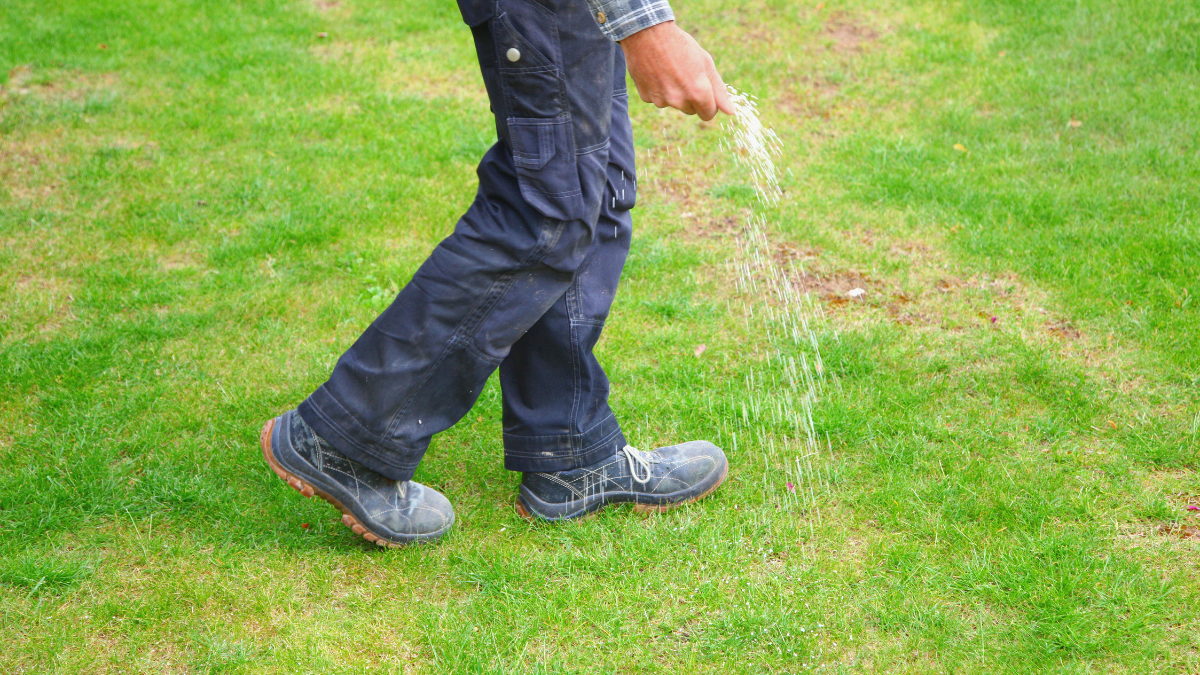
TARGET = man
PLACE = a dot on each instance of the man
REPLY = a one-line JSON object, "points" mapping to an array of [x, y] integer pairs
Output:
{"points": [[524, 284]]}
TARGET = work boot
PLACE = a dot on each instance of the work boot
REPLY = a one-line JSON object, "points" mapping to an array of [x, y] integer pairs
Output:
{"points": [[384, 511], [654, 481]]}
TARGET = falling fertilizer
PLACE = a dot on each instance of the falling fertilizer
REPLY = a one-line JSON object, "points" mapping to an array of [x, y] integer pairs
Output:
{"points": [[756, 146], [777, 411]]}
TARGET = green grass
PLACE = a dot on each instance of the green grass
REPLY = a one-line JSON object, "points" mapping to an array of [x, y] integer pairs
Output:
{"points": [[197, 218]]}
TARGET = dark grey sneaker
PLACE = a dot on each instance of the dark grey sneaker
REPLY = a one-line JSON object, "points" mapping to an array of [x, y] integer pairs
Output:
{"points": [[654, 481], [387, 512]]}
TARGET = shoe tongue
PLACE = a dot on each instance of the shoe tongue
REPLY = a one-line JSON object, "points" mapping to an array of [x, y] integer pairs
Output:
{"points": [[304, 439]]}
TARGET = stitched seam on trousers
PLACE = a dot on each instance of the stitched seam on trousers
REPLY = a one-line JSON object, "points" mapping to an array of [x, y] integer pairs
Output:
{"points": [[598, 443], [593, 148], [474, 321], [581, 434], [506, 89], [469, 345], [477, 315], [568, 193], [451, 343], [366, 450], [485, 307], [561, 79], [572, 298], [576, 439]]}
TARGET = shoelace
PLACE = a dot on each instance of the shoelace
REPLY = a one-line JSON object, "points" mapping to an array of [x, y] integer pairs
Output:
{"points": [[637, 459]]}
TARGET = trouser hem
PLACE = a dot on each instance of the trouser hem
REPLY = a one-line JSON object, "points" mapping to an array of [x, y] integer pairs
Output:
{"points": [[360, 447], [563, 452]]}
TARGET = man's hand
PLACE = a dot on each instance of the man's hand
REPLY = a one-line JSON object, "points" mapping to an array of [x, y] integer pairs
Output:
{"points": [[671, 69]]}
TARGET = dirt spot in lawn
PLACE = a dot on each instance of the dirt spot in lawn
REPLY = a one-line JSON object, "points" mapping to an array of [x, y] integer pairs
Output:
{"points": [[787, 253], [689, 194], [35, 194], [26, 81], [948, 284], [42, 289], [847, 36], [18, 79], [836, 287], [27, 163], [1187, 501], [8, 427], [338, 51], [1064, 330], [32, 160], [181, 259], [690, 630], [1180, 530], [810, 96], [911, 250], [901, 311], [326, 5], [704, 224], [673, 173]]}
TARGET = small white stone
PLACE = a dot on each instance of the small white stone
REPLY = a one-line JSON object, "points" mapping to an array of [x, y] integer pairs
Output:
{"points": [[514, 54], [856, 292]]}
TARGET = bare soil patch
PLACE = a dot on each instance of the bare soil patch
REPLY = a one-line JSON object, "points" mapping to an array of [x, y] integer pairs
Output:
{"points": [[25, 80], [1180, 530], [837, 287], [911, 250], [846, 36], [704, 224], [1064, 329], [811, 95]]}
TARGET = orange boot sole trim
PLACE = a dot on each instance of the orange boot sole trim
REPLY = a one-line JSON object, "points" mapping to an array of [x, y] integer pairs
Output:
{"points": [[310, 491]]}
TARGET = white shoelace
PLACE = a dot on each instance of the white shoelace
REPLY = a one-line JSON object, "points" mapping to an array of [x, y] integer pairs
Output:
{"points": [[637, 459]]}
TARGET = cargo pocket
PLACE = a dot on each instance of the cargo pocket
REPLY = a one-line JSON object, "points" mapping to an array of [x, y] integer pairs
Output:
{"points": [[544, 156]]}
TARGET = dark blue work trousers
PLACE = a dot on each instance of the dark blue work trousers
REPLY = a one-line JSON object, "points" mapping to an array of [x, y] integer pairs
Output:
{"points": [[526, 280]]}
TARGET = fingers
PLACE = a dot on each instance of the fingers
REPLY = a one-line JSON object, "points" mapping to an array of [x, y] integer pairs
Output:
{"points": [[695, 97], [705, 101], [642, 94], [681, 102], [701, 99], [707, 93], [720, 91]]}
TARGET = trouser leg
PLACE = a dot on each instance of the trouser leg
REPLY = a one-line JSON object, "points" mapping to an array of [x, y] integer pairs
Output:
{"points": [[421, 365], [556, 413]]}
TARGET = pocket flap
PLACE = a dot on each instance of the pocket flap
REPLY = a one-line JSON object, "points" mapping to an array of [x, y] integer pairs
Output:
{"points": [[475, 12]]}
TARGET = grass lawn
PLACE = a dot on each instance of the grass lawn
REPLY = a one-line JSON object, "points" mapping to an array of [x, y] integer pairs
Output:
{"points": [[203, 203]]}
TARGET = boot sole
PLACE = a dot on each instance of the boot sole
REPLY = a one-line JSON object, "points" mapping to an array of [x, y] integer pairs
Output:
{"points": [[310, 491], [637, 508]]}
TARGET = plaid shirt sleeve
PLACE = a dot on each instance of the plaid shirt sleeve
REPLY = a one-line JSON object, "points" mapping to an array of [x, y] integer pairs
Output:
{"points": [[619, 19]]}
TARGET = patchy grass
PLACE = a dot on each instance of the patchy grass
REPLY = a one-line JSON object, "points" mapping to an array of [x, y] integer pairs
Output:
{"points": [[202, 205]]}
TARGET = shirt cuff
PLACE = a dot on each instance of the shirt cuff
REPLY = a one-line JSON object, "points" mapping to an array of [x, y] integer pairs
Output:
{"points": [[618, 19]]}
